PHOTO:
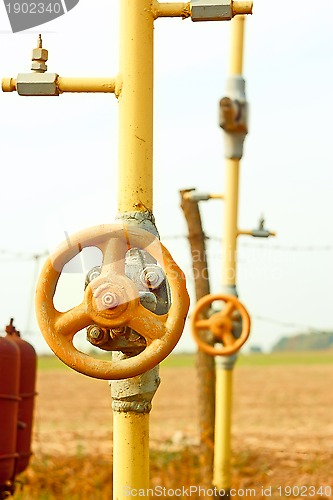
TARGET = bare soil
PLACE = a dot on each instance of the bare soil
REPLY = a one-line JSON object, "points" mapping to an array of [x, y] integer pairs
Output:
{"points": [[282, 422]]}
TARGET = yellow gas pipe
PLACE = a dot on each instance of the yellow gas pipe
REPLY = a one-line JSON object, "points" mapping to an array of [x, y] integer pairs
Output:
{"points": [[224, 367], [135, 193]]}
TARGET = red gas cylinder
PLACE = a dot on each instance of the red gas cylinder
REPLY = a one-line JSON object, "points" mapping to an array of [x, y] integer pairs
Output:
{"points": [[27, 395], [9, 405]]}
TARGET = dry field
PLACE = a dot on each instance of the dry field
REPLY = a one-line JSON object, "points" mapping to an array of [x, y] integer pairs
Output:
{"points": [[282, 432]]}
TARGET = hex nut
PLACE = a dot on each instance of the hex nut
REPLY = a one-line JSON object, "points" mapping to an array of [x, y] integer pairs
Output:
{"points": [[211, 10], [37, 84], [39, 66], [40, 55]]}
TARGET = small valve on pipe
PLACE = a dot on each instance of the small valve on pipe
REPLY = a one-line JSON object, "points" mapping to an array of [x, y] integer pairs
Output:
{"points": [[39, 57], [261, 231]]}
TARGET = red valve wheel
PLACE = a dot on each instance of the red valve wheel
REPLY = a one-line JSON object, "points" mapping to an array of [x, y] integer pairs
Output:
{"points": [[111, 301], [220, 324]]}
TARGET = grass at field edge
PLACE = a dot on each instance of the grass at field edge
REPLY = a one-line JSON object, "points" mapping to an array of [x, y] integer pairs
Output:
{"points": [[323, 357]]}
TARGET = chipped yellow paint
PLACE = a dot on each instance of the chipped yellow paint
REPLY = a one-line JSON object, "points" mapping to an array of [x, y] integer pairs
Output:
{"points": [[131, 438]]}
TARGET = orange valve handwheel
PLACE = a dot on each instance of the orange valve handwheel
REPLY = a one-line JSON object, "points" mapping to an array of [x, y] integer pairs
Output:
{"points": [[220, 324], [111, 301]]}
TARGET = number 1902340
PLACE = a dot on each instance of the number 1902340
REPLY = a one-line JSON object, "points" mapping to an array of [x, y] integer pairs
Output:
{"points": [[34, 8], [304, 491]]}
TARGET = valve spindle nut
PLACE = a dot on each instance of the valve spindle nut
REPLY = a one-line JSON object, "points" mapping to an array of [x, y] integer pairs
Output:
{"points": [[110, 300]]}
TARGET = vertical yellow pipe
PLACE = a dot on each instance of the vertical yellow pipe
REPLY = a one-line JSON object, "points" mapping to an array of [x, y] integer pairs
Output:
{"points": [[130, 454], [222, 455], [229, 265], [135, 193], [237, 44], [135, 171], [224, 368]]}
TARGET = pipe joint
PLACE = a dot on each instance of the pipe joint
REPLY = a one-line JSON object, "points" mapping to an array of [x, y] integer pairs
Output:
{"points": [[131, 406], [218, 10], [198, 196], [233, 117], [134, 394], [225, 362]]}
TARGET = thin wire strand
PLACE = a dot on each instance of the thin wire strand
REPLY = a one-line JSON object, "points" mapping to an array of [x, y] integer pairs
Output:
{"points": [[292, 248]]}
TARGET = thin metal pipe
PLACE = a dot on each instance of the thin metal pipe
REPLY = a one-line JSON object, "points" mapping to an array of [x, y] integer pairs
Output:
{"points": [[173, 9], [106, 85]]}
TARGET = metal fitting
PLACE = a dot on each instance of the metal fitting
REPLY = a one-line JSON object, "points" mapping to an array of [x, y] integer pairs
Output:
{"points": [[261, 231], [211, 10], [195, 196], [148, 300], [218, 10], [92, 274], [134, 394], [39, 57], [229, 290], [152, 276], [96, 335], [37, 84], [234, 117], [225, 362], [145, 220]]}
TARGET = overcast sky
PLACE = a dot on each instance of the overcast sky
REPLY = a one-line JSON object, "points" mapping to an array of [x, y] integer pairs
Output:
{"points": [[59, 155]]}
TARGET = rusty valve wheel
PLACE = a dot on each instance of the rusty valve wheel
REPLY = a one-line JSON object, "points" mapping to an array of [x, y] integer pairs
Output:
{"points": [[220, 325], [111, 301]]}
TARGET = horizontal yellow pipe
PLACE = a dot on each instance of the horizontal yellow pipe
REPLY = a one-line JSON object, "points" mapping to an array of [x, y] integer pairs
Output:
{"points": [[173, 9], [246, 232], [216, 196], [64, 84], [239, 7], [8, 85], [107, 85]]}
